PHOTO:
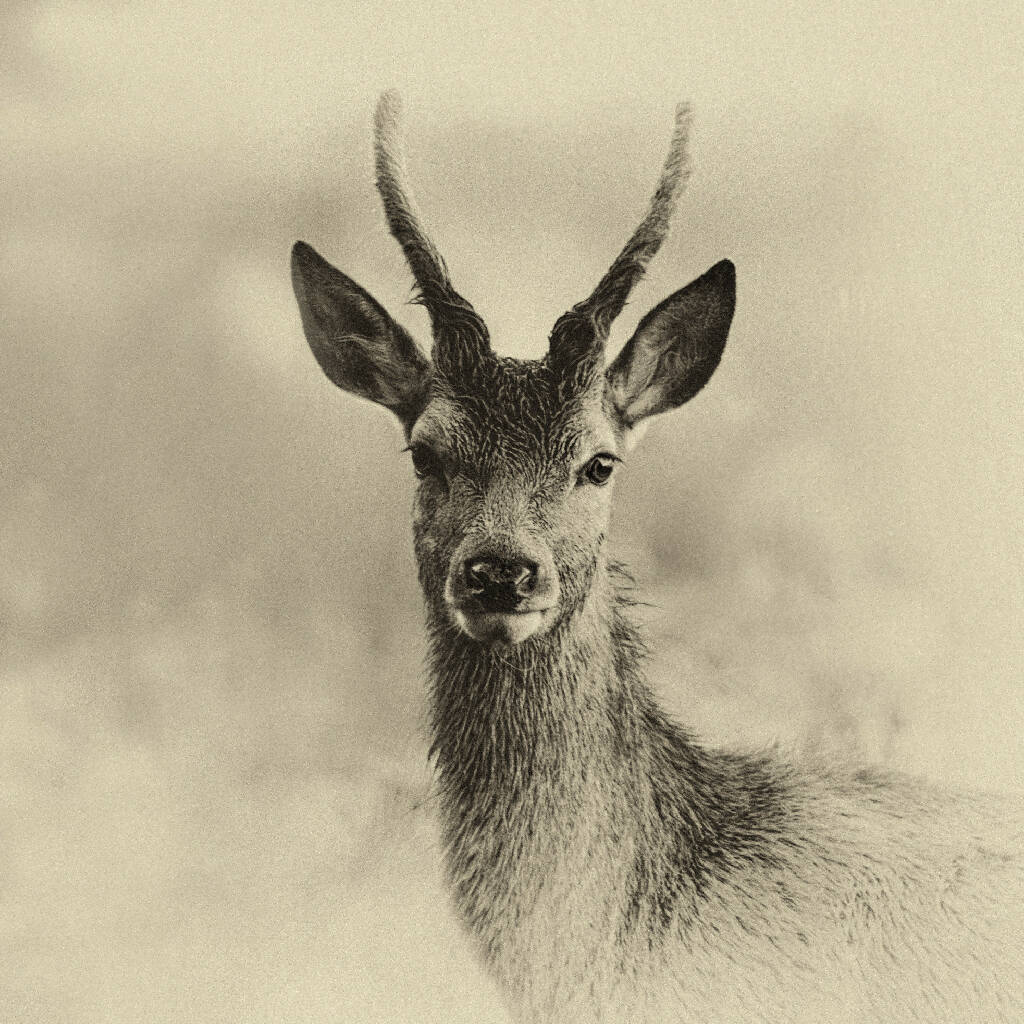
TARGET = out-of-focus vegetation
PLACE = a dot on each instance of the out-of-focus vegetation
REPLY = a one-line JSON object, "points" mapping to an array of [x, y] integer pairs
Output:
{"points": [[213, 790]]}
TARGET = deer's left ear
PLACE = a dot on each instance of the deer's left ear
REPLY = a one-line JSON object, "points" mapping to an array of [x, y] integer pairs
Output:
{"points": [[675, 349], [355, 341]]}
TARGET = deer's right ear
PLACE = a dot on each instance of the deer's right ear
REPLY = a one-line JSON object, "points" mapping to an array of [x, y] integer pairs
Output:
{"points": [[355, 341]]}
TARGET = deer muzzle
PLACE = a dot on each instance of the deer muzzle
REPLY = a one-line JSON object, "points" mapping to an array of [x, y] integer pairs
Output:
{"points": [[502, 590]]}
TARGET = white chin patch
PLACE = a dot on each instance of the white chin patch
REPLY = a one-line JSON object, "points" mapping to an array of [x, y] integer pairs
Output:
{"points": [[499, 627]]}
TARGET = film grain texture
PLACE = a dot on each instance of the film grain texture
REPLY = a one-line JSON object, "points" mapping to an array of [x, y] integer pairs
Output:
{"points": [[214, 791]]}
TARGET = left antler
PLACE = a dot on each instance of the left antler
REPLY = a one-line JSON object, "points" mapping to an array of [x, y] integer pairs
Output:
{"points": [[586, 325]]}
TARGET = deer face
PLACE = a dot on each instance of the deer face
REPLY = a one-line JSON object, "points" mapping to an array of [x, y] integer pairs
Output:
{"points": [[515, 459], [512, 504]]}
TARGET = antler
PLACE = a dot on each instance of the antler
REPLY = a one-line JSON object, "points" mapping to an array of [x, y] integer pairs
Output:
{"points": [[585, 327], [458, 330]]}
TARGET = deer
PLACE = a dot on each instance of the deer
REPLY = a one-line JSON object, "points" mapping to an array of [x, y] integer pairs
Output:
{"points": [[607, 864]]}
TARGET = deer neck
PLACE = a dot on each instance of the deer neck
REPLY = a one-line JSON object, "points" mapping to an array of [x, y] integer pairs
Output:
{"points": [[575, 815], [539, 750], [508, 717]]}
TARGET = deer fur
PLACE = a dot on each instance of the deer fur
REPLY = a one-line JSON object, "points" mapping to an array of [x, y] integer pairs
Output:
{"points": [[608, 865]]}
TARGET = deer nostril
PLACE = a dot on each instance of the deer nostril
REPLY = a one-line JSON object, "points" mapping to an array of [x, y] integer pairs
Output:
{"points": [[478, 574], [526, 580]]}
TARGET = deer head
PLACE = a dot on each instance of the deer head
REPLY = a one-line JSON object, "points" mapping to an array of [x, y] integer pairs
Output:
{"points": [[514, 458]]}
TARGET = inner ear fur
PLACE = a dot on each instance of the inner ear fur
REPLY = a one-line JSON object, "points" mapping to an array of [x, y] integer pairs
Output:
{"points": [[355, 341], [675, 348]]}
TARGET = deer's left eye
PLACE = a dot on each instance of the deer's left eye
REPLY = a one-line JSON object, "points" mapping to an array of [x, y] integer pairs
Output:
{"points": [[598, 470], [425, 462]]}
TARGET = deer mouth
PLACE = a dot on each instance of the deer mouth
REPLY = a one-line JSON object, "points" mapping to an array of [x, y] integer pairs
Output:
{"points": [[510, 626], [501, 593]]}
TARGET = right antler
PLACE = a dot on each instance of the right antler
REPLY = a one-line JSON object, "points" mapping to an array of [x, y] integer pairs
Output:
{"points": [[458, 329]]}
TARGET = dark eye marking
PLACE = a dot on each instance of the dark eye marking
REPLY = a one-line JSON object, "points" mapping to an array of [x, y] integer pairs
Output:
{"points": [[426, 462], [598, 470]]}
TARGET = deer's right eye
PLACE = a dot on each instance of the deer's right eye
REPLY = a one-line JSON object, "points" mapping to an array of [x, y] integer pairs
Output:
{"points": [[425, 462]]}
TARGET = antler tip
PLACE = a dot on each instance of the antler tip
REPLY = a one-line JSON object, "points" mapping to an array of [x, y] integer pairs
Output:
{"points": [[684, 122], [389, 107]]}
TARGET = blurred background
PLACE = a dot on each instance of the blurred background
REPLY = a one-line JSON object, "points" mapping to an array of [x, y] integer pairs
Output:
{"points": [[214, 797]]}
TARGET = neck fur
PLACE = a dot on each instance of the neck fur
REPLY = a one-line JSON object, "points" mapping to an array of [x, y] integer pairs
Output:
{"points": [[538, 749], [501, 714], [560, 779]]}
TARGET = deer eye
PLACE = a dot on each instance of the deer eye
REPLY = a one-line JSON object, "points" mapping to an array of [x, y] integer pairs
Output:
{"points": [[425, 462], [598, 469]]}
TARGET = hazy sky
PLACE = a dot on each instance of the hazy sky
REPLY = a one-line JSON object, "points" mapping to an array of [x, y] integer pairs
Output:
{"points": [[899, 126]]}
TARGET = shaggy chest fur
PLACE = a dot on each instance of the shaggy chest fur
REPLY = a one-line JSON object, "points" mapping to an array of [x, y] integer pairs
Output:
{"points": [[536, 815], [538, 885], [612, 870]]}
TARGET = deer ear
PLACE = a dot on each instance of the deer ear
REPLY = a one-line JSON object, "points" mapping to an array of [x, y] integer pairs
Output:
{"points": [[675, 349], [355, 341]]}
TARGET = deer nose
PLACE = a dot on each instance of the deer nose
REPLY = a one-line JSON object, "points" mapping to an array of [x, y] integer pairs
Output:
{"points": [[500, 584]]}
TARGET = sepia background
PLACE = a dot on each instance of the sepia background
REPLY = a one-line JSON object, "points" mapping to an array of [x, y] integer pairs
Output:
{"points": [[214, 797]]}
